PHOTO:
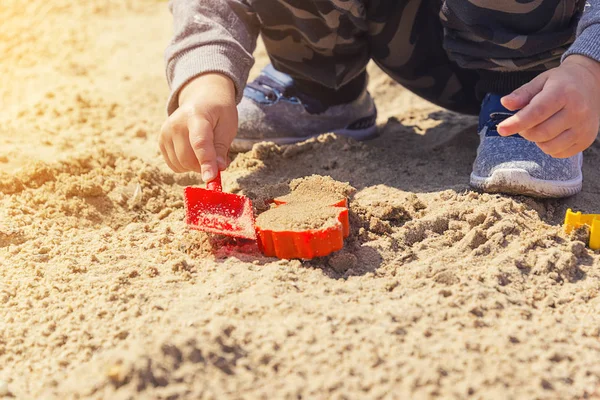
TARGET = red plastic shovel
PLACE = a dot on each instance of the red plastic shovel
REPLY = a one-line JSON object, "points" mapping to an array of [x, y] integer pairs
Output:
{"points": [[212, 210]]}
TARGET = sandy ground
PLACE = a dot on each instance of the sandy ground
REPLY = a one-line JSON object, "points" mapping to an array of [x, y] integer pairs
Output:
{"points": [[104, 293]]}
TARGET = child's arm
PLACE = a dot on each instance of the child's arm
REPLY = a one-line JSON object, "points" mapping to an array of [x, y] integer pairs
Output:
{"points": [[560, 109], [208, 62]]}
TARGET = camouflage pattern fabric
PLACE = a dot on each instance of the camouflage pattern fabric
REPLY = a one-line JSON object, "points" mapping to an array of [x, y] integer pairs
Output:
{"points": [[432, 47]]}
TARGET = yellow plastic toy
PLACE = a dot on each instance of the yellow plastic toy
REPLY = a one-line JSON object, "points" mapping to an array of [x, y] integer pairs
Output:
{"points": [[574, 220]]}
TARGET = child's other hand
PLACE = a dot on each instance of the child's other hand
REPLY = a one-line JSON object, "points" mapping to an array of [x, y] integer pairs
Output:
{"points": [[560, 109], [197, 136]]}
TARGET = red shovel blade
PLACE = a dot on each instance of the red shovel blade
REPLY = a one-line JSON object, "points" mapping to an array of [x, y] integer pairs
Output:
{"points": [[218, 212]]}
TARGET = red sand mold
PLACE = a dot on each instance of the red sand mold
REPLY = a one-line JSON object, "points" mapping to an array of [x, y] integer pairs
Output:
{"points": [[312, 221]]}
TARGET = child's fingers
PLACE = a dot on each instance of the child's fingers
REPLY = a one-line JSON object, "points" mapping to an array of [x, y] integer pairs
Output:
{"points": [[202, 142], [172, 128], [540, 108], [523, 95], [570, 152], [559, 144], [549, 129], [185, 153], [223, 162], [222, 150], [173, 162], [165, 155], [224, 134]]}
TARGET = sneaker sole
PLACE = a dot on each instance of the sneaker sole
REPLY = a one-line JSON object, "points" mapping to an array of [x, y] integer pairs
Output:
{"points": [[519, 182], [240, 145]]}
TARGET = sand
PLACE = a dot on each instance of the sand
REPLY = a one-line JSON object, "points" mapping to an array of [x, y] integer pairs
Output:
{"points": [[440, 292], [313, 203]]}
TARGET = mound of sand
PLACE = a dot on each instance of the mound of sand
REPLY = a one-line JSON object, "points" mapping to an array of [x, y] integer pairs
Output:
{"points": [[311, 204], [104, 293]]}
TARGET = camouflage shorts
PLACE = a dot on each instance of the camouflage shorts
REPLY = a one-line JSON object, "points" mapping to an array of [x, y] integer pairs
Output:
{"points": [[434, 48]]}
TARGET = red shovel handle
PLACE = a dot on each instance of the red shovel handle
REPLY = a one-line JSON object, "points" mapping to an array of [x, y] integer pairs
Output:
{"points": [[215, 184]]}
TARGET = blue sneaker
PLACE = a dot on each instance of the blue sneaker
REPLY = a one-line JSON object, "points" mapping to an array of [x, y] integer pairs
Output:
{"points": [[274, 110], [514, 165]]}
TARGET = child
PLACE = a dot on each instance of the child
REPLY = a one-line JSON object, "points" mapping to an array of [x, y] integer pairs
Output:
{"points": [[485, 57]]}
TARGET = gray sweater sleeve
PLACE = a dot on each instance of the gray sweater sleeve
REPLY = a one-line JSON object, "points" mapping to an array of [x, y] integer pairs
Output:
{"points": [[210, 36], [587, 42]]}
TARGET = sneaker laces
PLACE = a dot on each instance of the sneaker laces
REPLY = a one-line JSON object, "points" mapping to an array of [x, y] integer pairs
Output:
{"points": [[497, 117], [273, 90]]}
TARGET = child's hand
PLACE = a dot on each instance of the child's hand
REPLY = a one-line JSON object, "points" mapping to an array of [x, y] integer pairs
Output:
{"points": [[560, 109], [197, 136]]}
